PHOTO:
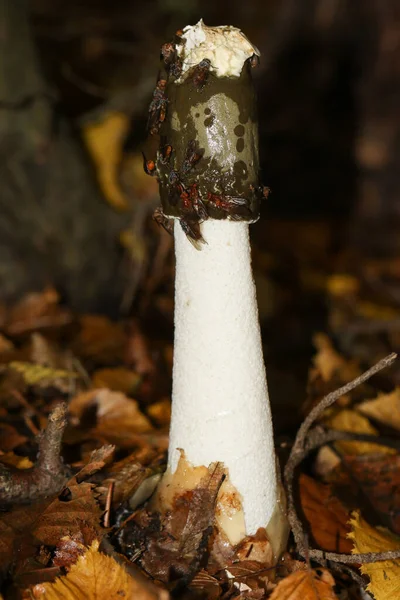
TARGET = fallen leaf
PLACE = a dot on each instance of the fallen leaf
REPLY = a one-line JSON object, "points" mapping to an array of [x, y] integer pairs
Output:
{"points": [[130, 474], [306, 585], [105, 142], [96, 576], [99, 340], [160, 412], [384, 575], [20, 462], [35, 375], [385, 408], [98, 459], [171, 545], [118, 379], [47, 521], [70, 547], [351, 421], [327, 516], [329, 363], [117, 417], [379, 479], [37, 310]]}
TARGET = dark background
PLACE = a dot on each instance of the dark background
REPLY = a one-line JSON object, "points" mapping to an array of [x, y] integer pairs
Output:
{"points": [[329, 95]]}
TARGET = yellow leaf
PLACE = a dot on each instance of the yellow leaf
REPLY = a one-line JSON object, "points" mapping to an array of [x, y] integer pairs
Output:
{"points": [[385, 408], [342, 284], [34, 374], [306, 585], [96, 576], [13, 460], [353, 422], [104, 141], [384, 575]]}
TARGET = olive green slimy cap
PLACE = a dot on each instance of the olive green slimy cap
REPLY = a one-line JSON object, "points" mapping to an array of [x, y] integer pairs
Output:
{"points": [[208, 162]]}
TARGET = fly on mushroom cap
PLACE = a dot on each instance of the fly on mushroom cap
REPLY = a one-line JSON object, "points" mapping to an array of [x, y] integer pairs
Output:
{"points": [[211, 114]]}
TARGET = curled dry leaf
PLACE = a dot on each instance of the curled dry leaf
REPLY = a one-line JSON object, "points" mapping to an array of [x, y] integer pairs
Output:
{"points": [[117, 417], [384, 409], [353, 422], [96, 576], [327, 517], [306, 585], [384, 575]]}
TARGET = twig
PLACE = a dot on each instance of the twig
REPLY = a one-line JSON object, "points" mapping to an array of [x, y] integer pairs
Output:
{"points": [[331, 398], [107, 511], [49, 473], [305, 442]]}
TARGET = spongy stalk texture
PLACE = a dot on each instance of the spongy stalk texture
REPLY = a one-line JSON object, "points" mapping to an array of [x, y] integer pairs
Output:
{"points": [[220, 409]]}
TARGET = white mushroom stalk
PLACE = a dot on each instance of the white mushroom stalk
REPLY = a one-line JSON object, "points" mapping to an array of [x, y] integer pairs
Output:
{"points": [[208, 171]]}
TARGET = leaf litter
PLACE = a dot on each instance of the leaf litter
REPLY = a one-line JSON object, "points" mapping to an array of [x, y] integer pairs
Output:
{"points": [[87, 526]]}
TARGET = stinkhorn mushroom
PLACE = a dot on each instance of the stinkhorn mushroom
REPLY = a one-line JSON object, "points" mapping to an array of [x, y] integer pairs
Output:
{"points": [[204, 108]]}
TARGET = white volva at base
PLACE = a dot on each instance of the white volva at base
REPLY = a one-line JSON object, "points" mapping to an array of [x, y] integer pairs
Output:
{"points": [[220, 398]]}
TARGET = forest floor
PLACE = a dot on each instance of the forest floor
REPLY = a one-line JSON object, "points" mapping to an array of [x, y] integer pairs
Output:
{"points": [[85, 409]]}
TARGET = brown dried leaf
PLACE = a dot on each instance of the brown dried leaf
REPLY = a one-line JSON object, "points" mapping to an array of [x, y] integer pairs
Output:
{"points": [[71, 547], [379, 478], [130, 473], [118, 379], [117, 416], [37, 311], [172, 545], [384, 575], [98, 459], [306, 585], [385, 408], [96, 576], [47, 521], [326, 515], [100, 340]]}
